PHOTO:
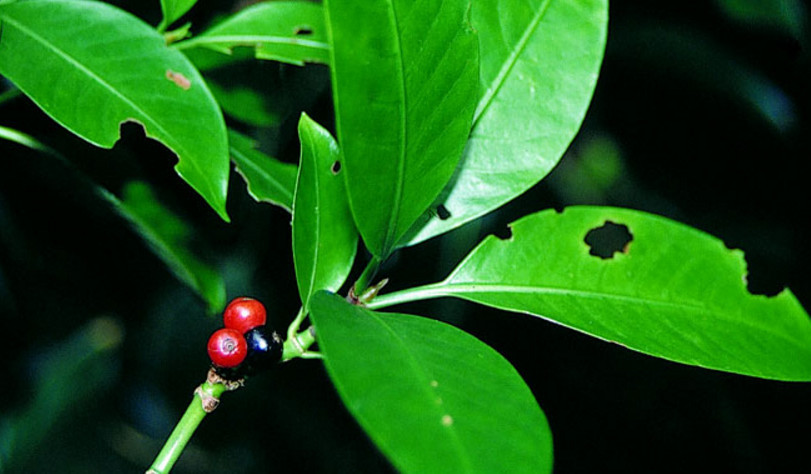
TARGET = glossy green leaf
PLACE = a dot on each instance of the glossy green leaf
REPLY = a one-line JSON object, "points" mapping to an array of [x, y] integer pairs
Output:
{"points": [[172, 10], [91, 67], [292, 32], [539, 65], [432, 397], [404, 78], [324, 235], [674, 292], [170, 238], [268, 179]]}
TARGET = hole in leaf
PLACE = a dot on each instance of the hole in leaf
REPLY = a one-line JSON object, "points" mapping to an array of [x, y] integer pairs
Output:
{"points": [[442, 212], [763, 277], [336, 167], [505, 233], [608, 239], [303, 31]]}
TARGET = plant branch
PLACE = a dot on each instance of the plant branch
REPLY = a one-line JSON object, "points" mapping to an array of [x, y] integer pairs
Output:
{"points": [[366, 277], [425, 292], [205, 400], [298, 345]]}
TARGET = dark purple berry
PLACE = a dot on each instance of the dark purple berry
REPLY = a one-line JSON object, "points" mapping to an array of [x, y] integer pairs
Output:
{"points": [[265, 348]]}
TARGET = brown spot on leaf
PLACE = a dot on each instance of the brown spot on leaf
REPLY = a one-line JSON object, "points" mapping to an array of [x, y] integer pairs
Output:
{"points": [[179, 79]]}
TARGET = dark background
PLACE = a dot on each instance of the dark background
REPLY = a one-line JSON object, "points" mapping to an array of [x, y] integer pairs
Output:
{"points": [[700, 114]]}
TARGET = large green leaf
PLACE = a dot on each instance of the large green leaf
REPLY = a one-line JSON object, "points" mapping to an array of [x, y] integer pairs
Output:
{"points": [[674, 292], [404, 84], [432, 397], [268, 179], [91, 67], [291, 32], [170, 238], [324, 235], [539, 65]]}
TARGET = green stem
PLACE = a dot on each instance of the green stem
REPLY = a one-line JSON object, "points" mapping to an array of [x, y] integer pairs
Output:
{"points": [[293, 329], [366, 277], [298, 345], [425, 292], [185, 428]]}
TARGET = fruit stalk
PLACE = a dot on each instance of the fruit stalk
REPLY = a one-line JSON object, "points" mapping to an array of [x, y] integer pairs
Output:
{"points": [[204, 401]]}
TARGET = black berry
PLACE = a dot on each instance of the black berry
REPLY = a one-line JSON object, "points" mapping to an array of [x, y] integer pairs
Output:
{"points": [[265, 348]]}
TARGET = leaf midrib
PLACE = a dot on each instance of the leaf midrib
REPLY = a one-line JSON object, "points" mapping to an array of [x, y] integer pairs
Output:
{"points": [[508, 65], [165, 135], [460, 289], [417, 367], [397, 196], [78, 65], [251, 40]]}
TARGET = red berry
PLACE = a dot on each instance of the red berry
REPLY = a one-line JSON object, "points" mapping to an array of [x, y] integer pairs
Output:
{"points": [[227, 348], [244, 314]]}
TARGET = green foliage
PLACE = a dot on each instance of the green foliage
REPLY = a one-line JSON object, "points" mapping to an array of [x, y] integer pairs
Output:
{"points": [[324, 239], [291, 32], [434, 398], [401, 124], [109, 68], [268, 179], [673, 292], [443, 112], [539, 65]]}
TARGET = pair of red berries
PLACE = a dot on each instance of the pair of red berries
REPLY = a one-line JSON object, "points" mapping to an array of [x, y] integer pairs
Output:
{"points": [[245, 345]]}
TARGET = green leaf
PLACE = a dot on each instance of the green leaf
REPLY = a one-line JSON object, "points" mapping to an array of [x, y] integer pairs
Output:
{"points": [[674, 292], [172, 10], [291, 32], [539, 65], [268, 179], [432, 397], [324, 235], [91, 67], [24, 139], [170, 238], [244, 104], [404, 86]]}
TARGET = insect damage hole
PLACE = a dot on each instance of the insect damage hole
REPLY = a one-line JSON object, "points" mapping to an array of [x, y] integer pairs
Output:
{"points": [[443, 213], [609, 238], [302, 31], [505, 233], [336, 167]]}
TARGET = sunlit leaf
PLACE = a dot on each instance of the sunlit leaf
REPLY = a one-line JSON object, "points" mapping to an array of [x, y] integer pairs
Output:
{"points": [[672, 291], [91, 67], [404, 78], [539, 65], [432, 397]]}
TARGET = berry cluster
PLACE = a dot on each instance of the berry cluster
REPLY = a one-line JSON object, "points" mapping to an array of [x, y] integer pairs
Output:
{"points": [[245, 346]]}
